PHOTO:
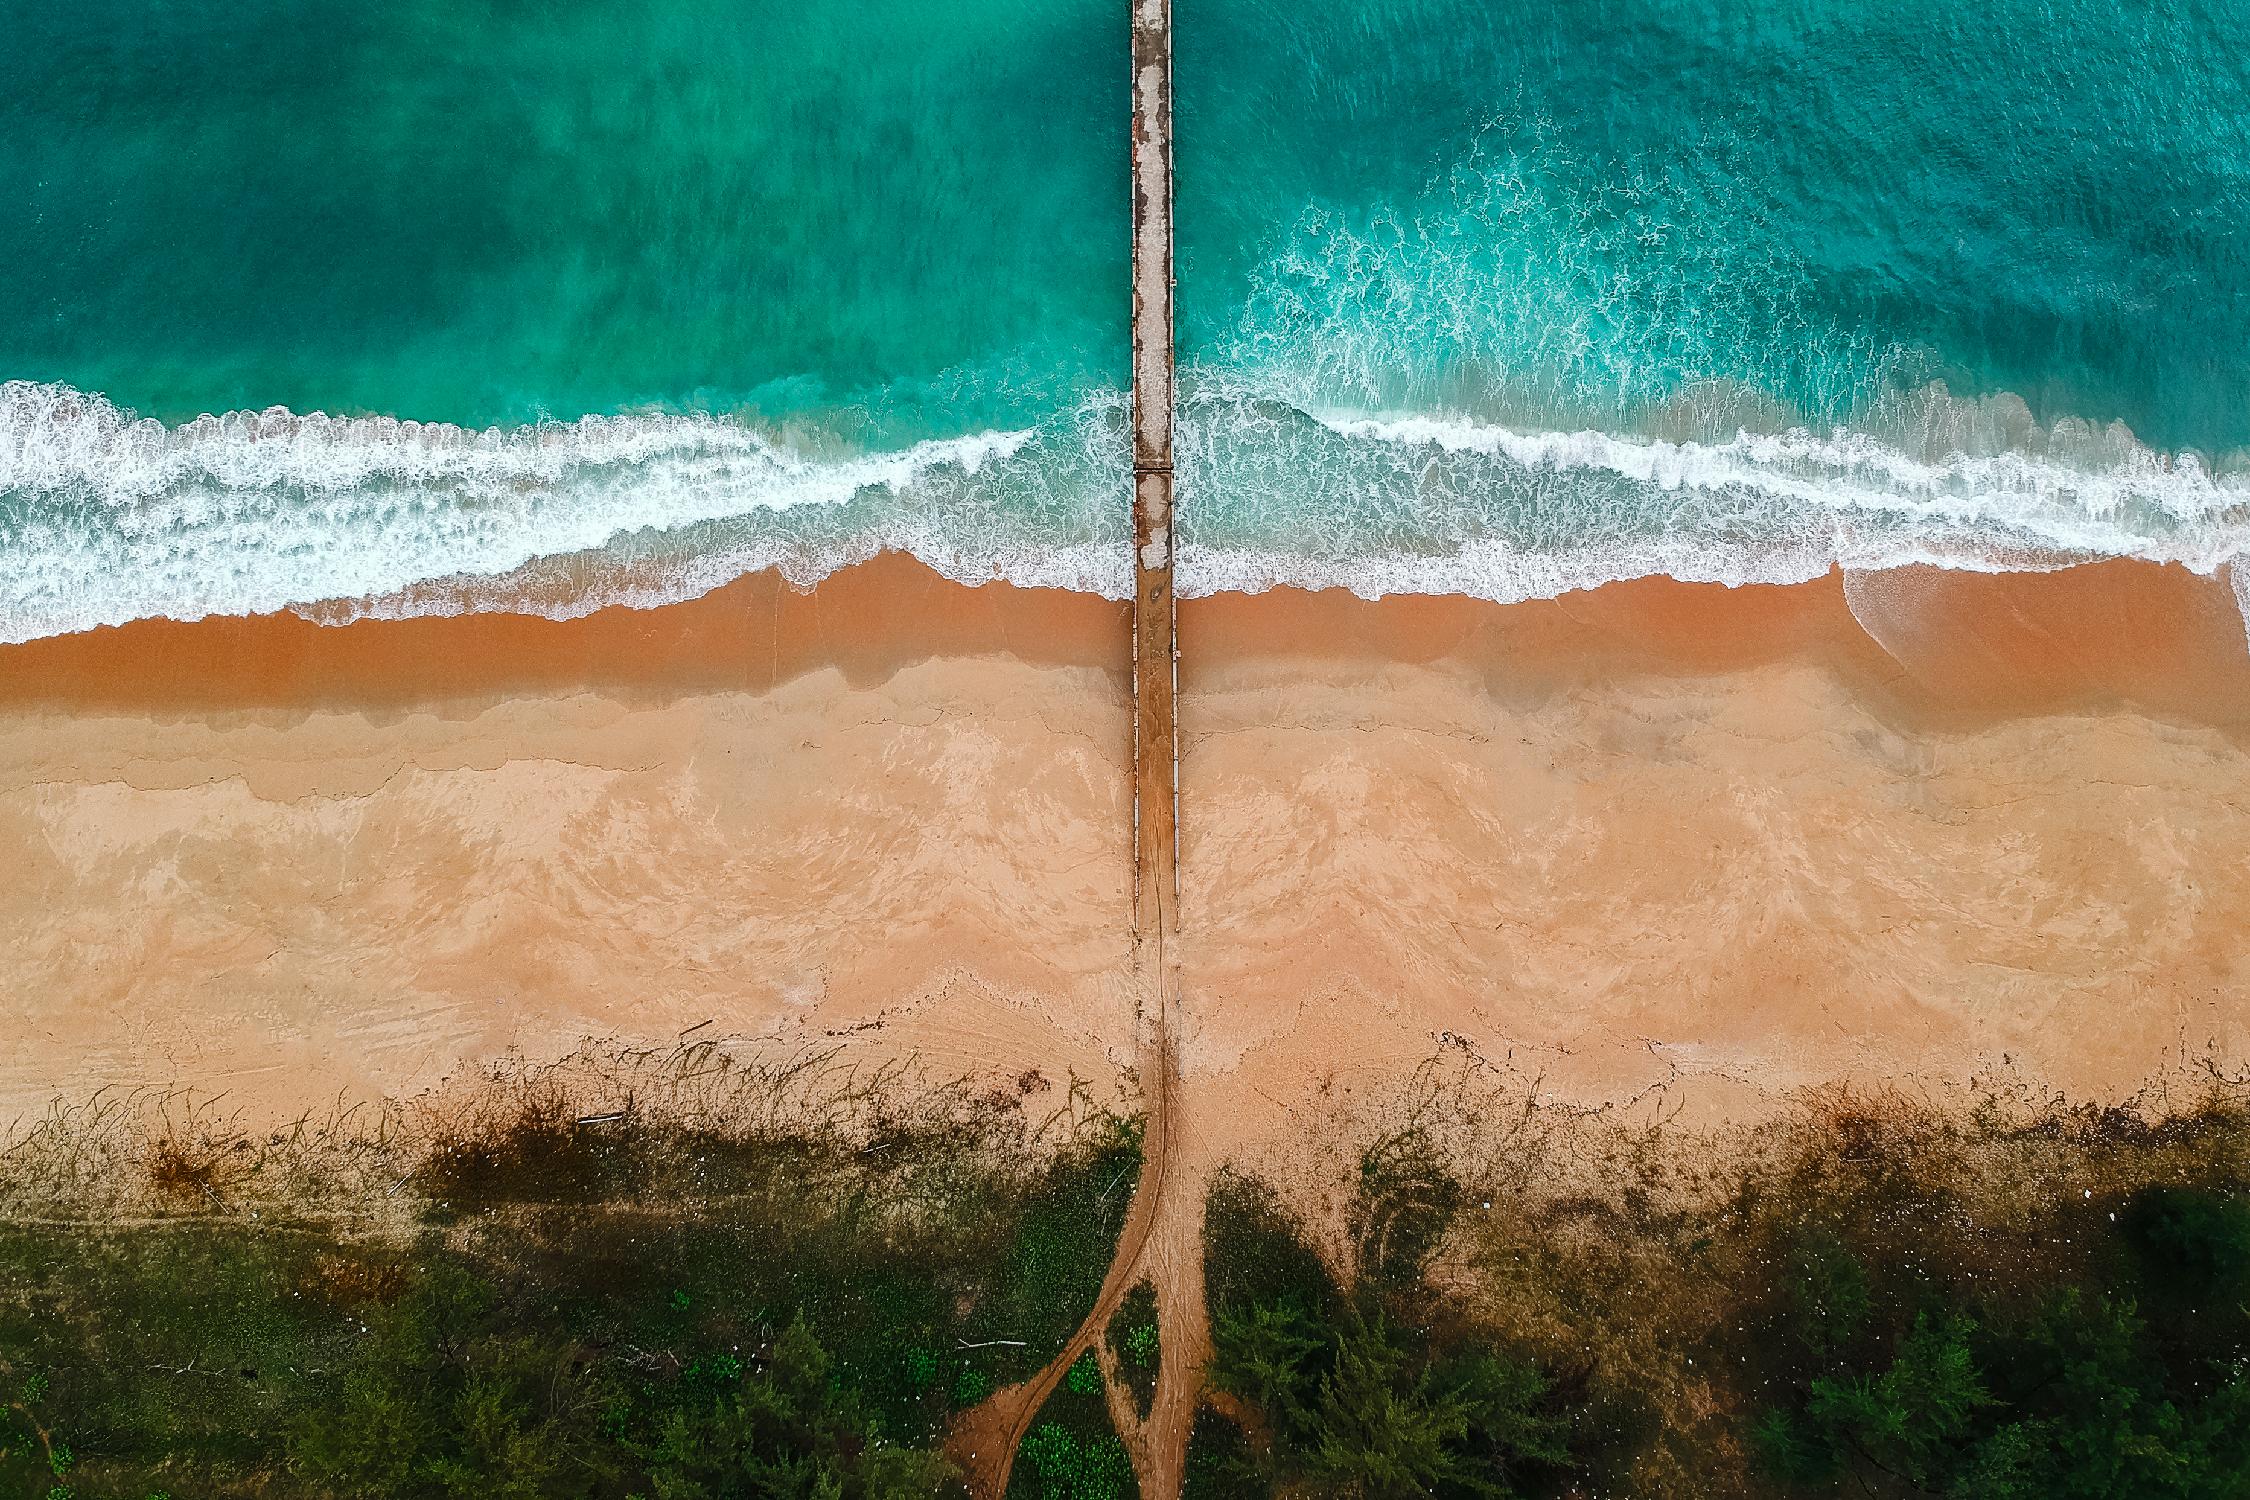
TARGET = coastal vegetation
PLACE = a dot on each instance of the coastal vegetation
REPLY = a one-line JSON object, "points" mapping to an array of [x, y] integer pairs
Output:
{"points": [[1872, 1298], [792, 1294], [1072, 1451], [1378, 1387], [746, 1280]]}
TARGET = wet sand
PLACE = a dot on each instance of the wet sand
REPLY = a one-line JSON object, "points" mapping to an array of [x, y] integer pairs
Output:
{"points": [[1654, 846]]}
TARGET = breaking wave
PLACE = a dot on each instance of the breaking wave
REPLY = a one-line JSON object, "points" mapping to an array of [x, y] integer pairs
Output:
{"points": [[106, 517], [1424, 504]]}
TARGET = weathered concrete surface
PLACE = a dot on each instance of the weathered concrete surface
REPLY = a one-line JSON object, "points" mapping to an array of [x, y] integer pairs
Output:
{"points": [[1155, 780]]}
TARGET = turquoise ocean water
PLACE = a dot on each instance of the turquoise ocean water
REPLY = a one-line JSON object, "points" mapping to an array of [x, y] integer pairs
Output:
{"points": [[439, 306]]}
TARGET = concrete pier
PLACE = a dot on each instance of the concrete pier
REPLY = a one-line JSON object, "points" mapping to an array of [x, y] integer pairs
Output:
{"points": [[1155, 735]]}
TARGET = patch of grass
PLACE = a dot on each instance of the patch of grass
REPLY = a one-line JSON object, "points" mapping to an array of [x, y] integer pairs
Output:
{"points": [[455, 1394], [1137, 1343], [1053, 1264], [636, 1304], [176, 1354], [1072, 1452]]}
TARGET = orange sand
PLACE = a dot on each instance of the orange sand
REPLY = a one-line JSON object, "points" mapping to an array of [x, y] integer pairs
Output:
{"points": [[1658, 843]]}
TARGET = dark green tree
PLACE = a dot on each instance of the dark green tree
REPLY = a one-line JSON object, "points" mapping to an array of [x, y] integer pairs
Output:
{"points": [[785, 1433], [439, 1403], [1361, 1408]]}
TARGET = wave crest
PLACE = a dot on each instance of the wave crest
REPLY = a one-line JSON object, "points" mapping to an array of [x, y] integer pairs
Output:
{"points": [[106, 517], [1420, 503]]}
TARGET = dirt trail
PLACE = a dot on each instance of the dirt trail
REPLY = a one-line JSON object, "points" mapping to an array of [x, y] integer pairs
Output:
{"points": [[1171, 1261], [1161, 1242]]}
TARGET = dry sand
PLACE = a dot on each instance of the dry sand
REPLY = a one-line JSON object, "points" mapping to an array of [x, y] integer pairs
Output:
{"points": [[1656, 846]]}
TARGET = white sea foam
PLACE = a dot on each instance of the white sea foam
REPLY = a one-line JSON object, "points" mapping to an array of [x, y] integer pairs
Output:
{"points": [[1849, 499], [1853, 470], [1424, 504], [105, 517]]}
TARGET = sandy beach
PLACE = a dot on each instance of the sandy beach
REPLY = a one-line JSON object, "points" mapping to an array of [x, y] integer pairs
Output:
{"points": [[1657, 846]]}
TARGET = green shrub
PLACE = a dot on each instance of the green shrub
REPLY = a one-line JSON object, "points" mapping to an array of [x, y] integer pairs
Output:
{"points": [[443, 1401], [2197, 1239], [787, 1430], [1072, 1452], [1351, 1402], [1138, 1343], [1084, 1377], [2073, 1402], [1911, 1418], [1827, 1300], [1064, 1465], [741, 1317]]}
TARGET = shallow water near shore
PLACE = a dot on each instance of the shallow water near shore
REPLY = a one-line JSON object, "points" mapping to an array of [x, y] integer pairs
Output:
{"points": [[604, 308]]}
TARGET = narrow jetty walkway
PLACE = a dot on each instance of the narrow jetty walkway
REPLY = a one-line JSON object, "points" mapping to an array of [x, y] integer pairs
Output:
{"points": [[1155, 741], [1161, 1236]]}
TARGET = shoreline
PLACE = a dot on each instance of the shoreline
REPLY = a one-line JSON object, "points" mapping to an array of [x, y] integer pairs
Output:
{"points": [[1944, 642], [1657, 845]]}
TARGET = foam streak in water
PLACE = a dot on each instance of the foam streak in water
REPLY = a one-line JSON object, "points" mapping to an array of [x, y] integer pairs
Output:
{"points": [[105, 517], [1427, 504]]}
